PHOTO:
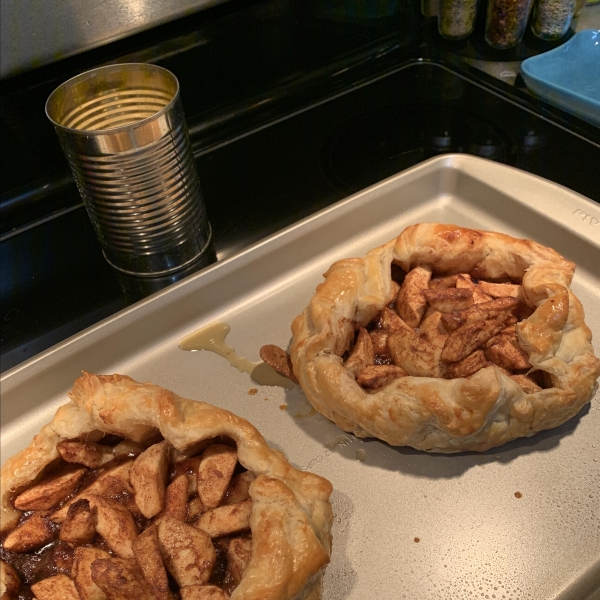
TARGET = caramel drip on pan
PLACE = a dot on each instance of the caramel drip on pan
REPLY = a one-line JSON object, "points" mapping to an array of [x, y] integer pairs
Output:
{"points": [[212, 338]]}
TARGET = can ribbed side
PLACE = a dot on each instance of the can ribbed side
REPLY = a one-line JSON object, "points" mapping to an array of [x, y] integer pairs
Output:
{"points": [[145, 202]]}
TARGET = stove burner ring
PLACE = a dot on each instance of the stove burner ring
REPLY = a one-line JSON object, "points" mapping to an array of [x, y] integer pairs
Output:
{"points": [[384, 142]]}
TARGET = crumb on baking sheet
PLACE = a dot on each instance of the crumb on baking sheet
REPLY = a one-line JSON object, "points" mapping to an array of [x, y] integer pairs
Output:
{"points": [[417, 540], [252, 392], [283, 407], [518, 495]]}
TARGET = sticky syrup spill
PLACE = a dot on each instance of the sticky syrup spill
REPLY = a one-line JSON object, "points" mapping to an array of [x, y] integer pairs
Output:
{"points": [[212, 338]]}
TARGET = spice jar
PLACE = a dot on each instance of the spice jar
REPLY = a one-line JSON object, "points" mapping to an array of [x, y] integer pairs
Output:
{"points": [[552, 18], [456, 18], [505, 22]]}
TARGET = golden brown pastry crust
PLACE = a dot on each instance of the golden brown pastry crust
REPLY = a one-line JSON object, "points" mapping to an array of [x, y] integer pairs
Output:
{"points": [[291, 516], [476, 413]]}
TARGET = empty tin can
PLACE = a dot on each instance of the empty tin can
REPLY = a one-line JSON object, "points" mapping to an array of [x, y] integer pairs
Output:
{"points": [[123, 131]]}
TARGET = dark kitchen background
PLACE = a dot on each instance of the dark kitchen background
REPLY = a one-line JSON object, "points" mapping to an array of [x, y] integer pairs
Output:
{"points": [[291, 106]]}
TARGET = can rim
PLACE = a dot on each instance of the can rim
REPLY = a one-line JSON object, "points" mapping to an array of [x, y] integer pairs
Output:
{"points": [[121, 128]]}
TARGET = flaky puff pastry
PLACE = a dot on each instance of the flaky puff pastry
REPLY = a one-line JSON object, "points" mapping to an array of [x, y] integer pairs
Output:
{"points": [[475, 413], [291, 516]]}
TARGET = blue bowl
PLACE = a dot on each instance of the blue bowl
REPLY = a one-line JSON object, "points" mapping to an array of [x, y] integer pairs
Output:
{"points": [[569, 76]]}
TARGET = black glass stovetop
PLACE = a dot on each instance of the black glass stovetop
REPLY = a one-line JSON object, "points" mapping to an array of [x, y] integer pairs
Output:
{"points": [[56, 282]]}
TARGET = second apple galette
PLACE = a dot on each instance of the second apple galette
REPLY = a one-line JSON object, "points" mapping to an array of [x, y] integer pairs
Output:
{"points": [[446, 339], [133, 493]]}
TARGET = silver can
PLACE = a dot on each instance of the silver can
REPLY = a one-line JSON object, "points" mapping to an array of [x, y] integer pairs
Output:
{"points": [[124, 134]]}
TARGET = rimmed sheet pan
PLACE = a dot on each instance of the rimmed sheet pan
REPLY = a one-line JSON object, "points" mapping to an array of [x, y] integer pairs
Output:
{"points": [[408, 524]]}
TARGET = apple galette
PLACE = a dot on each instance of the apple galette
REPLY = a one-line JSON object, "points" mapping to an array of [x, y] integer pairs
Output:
{"points": [[133, 493], [446, 339]]}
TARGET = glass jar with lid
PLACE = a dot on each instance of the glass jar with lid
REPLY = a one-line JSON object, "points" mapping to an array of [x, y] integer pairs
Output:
{"points": [[552, 18], [506, 21], [456, 18]]}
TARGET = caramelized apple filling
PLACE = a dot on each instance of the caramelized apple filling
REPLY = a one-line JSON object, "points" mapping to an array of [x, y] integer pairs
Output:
{"points": [[448, 327], [118, 520]]}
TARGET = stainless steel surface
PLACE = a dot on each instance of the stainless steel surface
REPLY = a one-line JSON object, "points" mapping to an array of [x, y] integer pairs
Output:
{"points": [[123, 131], [38, 32], [408, 524]]}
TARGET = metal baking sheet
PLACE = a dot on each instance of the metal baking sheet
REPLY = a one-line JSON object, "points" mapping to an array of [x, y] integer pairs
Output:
{"points": [[521, 521]]}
